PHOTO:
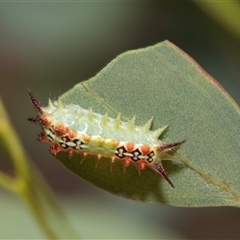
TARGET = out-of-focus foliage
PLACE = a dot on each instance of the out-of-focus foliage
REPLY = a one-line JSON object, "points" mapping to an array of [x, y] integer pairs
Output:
{"points": [[227, 13]]}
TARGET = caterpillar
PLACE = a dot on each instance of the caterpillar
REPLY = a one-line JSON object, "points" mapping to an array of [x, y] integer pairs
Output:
{"points": [[76, 130]]}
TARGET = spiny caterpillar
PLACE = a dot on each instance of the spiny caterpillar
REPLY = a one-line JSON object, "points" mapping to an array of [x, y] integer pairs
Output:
{"points": [[76, 130]]}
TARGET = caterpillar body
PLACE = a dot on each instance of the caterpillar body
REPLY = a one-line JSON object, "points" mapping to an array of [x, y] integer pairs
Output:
{"points": [[76, 130]]}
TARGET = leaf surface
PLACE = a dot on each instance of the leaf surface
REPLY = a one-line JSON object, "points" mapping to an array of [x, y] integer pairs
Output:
{"points": [[164, 82]]}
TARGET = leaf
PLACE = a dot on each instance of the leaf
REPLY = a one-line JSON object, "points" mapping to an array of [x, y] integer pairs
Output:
{"points": [[164, 82]]}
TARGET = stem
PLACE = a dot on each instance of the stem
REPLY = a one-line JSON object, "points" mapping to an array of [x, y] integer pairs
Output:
{"points": [[33, 203], [29, 184], [13, 145], [8, 182], [47, 200]]}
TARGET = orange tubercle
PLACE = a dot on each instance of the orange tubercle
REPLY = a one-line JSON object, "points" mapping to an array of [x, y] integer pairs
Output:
{"points": [[130, 146], [142, 165], [127, 161], [55, 148], [42, 137], [116, 142], [86, 138], [145, 149], [72, 134], [70, 152], [46, 119], [113, 159], [101, 141], [60, 129]]}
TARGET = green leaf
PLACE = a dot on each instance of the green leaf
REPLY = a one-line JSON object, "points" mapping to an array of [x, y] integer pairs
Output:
{"points": [[164, 82]]}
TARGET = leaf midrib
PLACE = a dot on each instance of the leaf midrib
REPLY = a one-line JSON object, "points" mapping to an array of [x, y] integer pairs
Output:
{"points": [[208, 177]]}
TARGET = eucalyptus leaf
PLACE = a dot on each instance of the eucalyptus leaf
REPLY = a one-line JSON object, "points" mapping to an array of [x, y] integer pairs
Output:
{"points": [[164, 82]]}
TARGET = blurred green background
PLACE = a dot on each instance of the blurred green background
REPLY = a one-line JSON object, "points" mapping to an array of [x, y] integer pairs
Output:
{"points": [[52, 46]]}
